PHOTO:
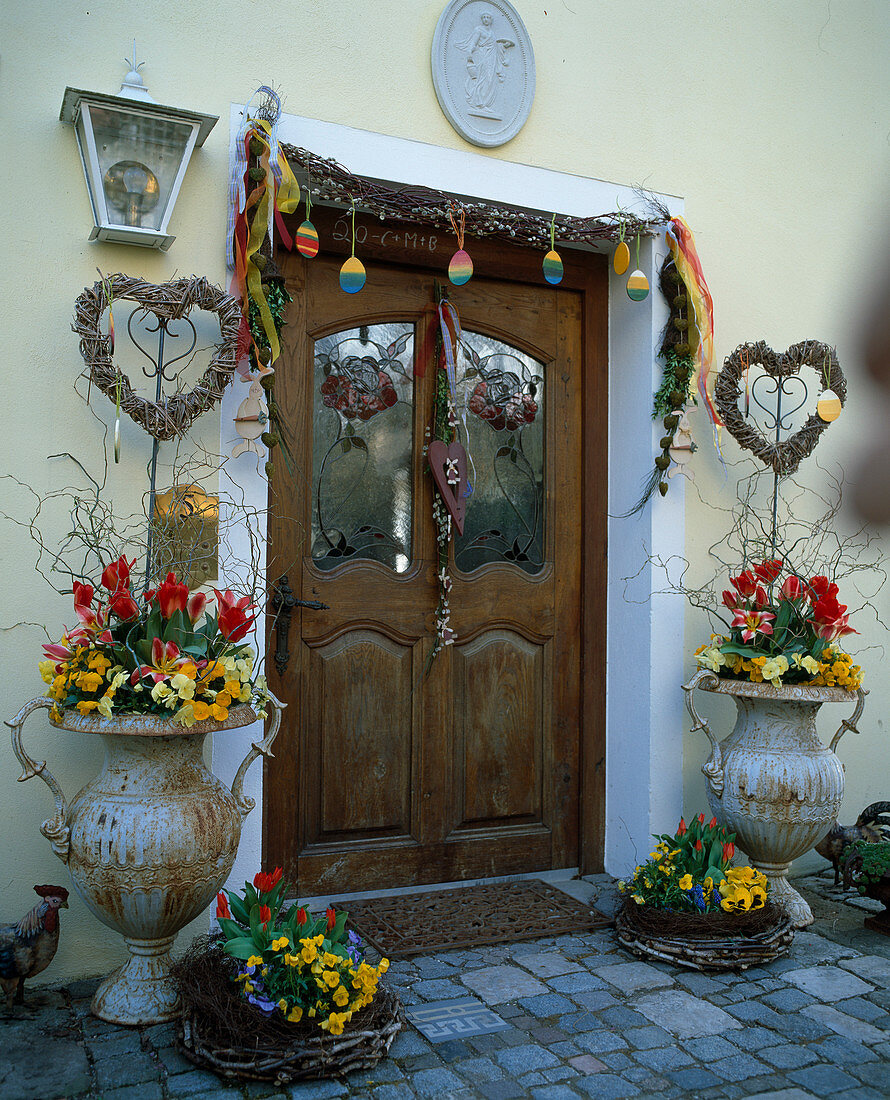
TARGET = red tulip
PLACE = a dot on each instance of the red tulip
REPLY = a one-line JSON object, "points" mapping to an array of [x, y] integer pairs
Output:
{"points": [[760, 597], [744, 583], [829, 619], [222, 907], [233, 623], [123, 605], [681, 828], [83, 594], [767, 571], [117, 574], [701, 819], [302, 916], [792, 588], [712, 823], [821, 586], [331, 914], [195, 606], [171, 596], [730, 599], [698, 845], [728, 851], [265, 915], [266, 881]]}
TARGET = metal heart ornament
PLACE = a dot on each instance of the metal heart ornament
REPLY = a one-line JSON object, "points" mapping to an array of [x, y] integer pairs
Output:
{"points": [[786, 455], [448, 463], [171, 416]]}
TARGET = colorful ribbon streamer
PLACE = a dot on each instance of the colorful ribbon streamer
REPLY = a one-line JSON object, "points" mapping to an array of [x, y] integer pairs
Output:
{"points": [[681, 243]]}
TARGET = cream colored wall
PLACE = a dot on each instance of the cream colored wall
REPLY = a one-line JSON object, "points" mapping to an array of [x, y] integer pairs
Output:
{"points": [[769, 118]]}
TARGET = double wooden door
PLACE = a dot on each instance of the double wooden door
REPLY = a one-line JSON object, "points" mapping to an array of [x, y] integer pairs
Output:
{"points": [[391, 770]]}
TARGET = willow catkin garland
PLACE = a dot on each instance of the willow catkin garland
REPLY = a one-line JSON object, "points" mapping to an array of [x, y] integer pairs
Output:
{"points": [[784, 457], [172, 416]]}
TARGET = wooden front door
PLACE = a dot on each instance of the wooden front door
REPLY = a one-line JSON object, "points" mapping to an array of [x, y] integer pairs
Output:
{"points": [[391, 771]]}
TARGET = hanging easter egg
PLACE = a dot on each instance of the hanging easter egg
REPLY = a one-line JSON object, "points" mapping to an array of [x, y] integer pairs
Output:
{"points": [[828, 406], [637, 286], [352, 275], [621, 259], [460, 270], [552, 267], [307, 240]]}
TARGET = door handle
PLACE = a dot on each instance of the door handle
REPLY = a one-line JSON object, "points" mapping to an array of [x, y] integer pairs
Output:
{"points": [[283, 603]]}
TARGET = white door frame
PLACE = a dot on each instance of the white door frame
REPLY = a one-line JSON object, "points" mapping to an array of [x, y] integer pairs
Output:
{"points": [[644, 709]]}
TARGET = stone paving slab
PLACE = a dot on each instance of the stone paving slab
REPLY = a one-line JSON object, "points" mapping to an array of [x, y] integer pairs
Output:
{"points": [[582, 1019]]}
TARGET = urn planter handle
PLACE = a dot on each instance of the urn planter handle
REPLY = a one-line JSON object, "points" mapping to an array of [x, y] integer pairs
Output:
{"points": [[712, 768], [56, 829], [264, 748], [850, 723]]}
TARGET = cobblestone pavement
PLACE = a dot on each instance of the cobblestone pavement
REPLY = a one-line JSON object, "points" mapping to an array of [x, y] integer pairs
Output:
{"points": [[587, 1020]]}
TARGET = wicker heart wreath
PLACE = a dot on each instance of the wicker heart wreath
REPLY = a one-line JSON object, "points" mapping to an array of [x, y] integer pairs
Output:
{"points": [[784, 456], [173, 415]]}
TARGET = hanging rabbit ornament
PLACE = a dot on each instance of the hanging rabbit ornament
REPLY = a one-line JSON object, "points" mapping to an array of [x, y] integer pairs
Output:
{"points": [[637, 283], [352, 273], [552, 263], [460, 269], [306, 237], [621, 259], [828, 407]]}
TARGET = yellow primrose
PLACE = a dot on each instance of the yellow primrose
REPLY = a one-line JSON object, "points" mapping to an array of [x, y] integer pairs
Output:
{"points": [[638, 898], [183, 685], [103, 707], [711, 657], [160, 691]]}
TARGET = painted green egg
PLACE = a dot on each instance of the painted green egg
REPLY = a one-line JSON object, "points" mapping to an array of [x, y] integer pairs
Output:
{"points": [[552, 267], [637, 286]]}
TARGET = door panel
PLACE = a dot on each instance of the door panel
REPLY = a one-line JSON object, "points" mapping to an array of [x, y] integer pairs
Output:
{"points": [[391, 771], [499, 688]]}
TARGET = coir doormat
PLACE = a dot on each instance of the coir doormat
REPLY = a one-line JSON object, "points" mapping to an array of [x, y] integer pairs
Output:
{"points": [[470, 916]]}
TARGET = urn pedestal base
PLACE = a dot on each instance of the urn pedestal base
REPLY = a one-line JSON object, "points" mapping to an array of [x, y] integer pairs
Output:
{"points": [[142, 990]]}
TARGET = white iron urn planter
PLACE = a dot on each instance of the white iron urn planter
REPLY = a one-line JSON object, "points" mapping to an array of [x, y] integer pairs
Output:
{"points": [[148, 842], [772, 781]]}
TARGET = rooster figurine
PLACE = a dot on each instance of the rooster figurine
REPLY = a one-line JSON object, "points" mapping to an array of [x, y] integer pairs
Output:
{"points": [[28, 947], [870, 826]]}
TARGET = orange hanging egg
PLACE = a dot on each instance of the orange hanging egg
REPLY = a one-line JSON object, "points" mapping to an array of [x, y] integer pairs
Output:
{"points": [[621, 259]]}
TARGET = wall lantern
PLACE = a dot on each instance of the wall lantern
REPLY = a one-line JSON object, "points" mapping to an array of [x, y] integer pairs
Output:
{"points": [[134, 153]]}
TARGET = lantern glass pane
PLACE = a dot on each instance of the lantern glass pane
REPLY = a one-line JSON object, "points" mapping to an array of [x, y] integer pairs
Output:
{"points": [[139, 158]]}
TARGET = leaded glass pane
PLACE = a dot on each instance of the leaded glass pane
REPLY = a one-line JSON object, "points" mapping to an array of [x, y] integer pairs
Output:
{"points": [[362, 446], [501, 403]]}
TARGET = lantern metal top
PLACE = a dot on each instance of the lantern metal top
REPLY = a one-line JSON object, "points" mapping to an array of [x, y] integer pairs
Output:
{"points": [[74, 96]]}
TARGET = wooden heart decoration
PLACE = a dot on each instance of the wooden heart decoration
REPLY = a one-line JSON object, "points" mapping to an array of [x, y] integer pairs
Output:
{"points": [[448, 462], [785, 456], [171, 416]]}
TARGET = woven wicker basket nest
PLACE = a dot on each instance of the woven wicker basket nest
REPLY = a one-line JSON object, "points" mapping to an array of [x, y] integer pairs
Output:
{"points": [[222, 1032], [712, 941]]}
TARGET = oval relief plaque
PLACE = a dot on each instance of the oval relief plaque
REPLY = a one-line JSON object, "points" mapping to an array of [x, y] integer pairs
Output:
{"points": [[483, 70]]}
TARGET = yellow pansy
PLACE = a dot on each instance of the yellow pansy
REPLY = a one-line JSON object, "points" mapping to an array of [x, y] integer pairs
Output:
{"points": [[686, 882], [295, 1015], [341, 996], [255, 960], [331, 978], [282, 941], [86, 705], [89, 681]]}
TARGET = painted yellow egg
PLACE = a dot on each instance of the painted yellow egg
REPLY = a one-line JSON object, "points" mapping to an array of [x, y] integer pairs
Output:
{"points": [[828, 406], [621, 259]]}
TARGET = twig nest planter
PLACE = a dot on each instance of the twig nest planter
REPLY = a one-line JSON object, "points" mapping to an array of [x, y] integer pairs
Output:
{"points": [[706, 941], [220, 1031]]}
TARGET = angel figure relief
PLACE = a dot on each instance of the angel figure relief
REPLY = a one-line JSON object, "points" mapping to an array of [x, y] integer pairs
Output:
{"points": [[487, 59]]}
